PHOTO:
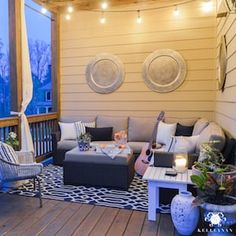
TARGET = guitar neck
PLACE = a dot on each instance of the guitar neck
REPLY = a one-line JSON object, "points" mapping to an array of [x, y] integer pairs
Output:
{"points": [[160, 117]]}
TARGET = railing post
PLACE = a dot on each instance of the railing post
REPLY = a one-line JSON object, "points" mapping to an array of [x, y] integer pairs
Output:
{"points": [[15, 57]]}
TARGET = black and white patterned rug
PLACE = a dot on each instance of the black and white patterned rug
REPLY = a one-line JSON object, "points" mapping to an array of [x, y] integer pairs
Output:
{"points": [[53, 188]]}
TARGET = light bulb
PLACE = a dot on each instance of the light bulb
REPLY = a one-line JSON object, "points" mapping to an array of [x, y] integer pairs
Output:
{"points": [[207, 6], [70, 9], [68, 17], [139, 18], [44, 10], [176, 11], [102, 20], [104, 5]]}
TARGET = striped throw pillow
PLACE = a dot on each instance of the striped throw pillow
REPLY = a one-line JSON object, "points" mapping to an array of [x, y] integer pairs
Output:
{"points": [[7, 153], [80, 127]]}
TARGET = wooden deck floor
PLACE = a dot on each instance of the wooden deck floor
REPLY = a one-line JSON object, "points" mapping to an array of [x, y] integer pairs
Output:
{"points": [[22, 216]]}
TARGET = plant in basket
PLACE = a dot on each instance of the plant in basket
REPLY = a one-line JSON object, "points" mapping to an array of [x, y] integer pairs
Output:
{"points": [[215, 181], [84, 141]]}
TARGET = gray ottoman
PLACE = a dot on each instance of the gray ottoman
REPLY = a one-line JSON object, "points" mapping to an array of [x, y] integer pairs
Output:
{"points": [[97, 169]]}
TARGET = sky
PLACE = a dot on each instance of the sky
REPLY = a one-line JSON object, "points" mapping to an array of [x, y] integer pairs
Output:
{"points": [[38, 25], [4, 21]]}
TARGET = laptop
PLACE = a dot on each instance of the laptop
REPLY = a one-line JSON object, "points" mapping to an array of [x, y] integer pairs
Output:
{"points": [[162, 159]]}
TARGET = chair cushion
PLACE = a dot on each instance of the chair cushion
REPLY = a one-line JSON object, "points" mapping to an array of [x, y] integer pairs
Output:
{"points": [[118, 123], [200, 125], [7, 153], [66, 144], [210, 133], [141, 128], [100, 134], [182, 130]]}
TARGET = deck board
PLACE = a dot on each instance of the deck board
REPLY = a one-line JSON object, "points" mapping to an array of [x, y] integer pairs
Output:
{"points": [[21, 216], [104, 222]]}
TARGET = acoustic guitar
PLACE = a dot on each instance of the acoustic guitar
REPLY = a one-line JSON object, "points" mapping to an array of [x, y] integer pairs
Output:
{"points": [[146, 154]]}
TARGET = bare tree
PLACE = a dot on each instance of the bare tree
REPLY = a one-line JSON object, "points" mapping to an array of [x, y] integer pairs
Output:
{"points": [[4, 61], [40, 57]]}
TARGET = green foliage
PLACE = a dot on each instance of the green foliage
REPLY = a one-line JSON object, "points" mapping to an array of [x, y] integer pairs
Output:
{"points": [[85, 137], [211, 159], [212, 183], [12, 140]]}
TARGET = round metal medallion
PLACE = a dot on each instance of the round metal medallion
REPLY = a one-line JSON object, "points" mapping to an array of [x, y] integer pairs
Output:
{"points": [[105, 73], [222, 63], [164, 70]]}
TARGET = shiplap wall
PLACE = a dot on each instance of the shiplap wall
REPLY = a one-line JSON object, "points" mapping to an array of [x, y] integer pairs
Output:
{"points": [[226, 101], [192, 34]]}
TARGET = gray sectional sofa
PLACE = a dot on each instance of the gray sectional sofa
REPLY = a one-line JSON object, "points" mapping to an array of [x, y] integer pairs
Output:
{"points": [[139, 131]]}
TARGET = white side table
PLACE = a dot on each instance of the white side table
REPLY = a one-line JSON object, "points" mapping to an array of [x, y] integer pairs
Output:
{"points": [[157, 179]]}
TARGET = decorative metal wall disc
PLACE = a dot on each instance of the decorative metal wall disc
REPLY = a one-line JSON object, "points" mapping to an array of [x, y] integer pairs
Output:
{"points": [[164, 70], [105, 73]]}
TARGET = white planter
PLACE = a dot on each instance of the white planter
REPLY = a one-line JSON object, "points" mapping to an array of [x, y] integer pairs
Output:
{"points": [[227, 219], [184, 216]]}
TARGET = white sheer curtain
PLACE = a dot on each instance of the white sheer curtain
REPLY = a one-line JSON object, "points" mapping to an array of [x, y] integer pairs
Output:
{"points": [[27, 86]]}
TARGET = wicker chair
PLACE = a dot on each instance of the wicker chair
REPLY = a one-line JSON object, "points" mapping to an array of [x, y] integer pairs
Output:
{"points": [[11, 172]]}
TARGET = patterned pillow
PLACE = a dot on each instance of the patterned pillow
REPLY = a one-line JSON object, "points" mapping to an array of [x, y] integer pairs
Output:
{"points": [[7, 153], [80, 127]]}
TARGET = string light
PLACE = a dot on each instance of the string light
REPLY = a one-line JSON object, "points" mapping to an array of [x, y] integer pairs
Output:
{"points": [[102, 19], [104, 5], [207, 6], [139, 18], [68, 17], [70, 9], [176, 11], [44, 10]]}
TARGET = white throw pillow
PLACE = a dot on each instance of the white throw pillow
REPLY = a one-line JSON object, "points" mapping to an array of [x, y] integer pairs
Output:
{"points": [[199, 126], [165, 132], [68, 131], [80, 127], [182, 144]]}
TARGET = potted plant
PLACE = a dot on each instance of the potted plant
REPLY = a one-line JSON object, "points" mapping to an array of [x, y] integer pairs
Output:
{"points": [[212, 161], [84, 141], [216, 188], [13, 141]]}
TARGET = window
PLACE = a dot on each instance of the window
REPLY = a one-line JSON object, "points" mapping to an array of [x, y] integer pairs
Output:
{"points": [[4, 60], [39, 39]]}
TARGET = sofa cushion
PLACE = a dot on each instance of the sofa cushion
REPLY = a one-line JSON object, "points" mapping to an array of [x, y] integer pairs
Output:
{"points": [[66, 144], [210, 133], [80, 127], [200, 125], [68, 119], [141, 128], [100, 134], [118, 123], [182, 121], [165, 132], [183, 130], [183, 144], [136, 146], [68, 131]]}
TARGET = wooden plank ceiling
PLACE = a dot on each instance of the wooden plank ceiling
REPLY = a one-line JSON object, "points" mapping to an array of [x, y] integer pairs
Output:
{"points": [[94, 4]]}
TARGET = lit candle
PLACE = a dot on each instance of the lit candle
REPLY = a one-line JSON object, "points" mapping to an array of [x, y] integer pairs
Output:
{"points": [[180, 164]]}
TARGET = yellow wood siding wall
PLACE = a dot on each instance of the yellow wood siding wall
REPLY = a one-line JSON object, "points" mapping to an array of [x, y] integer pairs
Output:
{"points": [[226, 101], [192, 34]]}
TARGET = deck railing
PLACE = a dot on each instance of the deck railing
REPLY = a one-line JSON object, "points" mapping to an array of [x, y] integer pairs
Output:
{"points": [[41, 126]]}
